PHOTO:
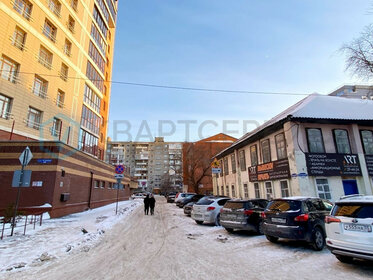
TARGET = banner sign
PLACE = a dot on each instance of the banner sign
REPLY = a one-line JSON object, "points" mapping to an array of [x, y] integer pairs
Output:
{"points": [[333, 165], [273, 170], [369, 161]]}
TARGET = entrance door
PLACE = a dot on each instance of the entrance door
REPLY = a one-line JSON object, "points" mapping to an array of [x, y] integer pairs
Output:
{"points": [[350, 187]]}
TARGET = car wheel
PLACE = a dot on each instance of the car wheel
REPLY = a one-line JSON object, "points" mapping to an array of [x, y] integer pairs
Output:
{"points": [[259, 229], [272, 238], [217, 221], [344, 259], [199, 222], [318, 239], [229, 229]]}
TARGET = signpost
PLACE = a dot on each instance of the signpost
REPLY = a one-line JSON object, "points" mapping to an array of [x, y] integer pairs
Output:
{"points": [[215, 169], [119, 169], [24, 158]]}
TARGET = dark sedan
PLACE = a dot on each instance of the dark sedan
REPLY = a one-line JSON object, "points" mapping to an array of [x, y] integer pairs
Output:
{"points": [[190, 198]]}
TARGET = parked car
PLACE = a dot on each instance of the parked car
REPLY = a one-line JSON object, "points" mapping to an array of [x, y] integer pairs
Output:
{"points": [[181, 195], [297, 218], [188, 208], [207, 209], [243, 215], [349, 228], [138, 195], [192, 197], [171, 198]]}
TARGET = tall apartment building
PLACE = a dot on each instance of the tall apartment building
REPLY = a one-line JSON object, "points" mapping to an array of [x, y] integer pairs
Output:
{"points": [[56, 61], [152, 164]]}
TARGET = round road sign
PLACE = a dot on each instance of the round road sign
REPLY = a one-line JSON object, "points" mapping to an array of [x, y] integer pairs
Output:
{"points": [[119, 169]]}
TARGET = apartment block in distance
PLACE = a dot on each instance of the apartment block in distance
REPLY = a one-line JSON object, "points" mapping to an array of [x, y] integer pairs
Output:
{"points": [[55, 64]]}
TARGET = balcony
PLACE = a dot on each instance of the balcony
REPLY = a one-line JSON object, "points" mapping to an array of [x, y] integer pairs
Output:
{"points": [[21, 10], [39, 92], [46, 63], [18, 44], [59, 103], [50, 35], [54, 7], [32, 124]]}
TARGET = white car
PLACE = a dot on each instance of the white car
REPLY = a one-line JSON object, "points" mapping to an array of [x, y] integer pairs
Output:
{"points": [[349, 228], [138, 195], [180, 196], [207, 209]]}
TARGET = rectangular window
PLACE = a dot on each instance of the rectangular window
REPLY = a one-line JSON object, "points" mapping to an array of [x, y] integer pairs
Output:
{"points": [[315, 140], [280, 146], [19, 38], [96, 184], [227, 190], [284, 189], [111, 8], [23, 7], [242, 160], [74, 5], [323, 190], [96, 56], [40, 87], [64, 72], [100, 21], [33, 118], [56, 127], [102, 184], [94, 76], [9, 69], [60, 98], [342, 143], [226, 169], [233, 162], [67, 47], [55, 7], [50, 30], [88, 142], [246, 190], [266, 151], [104, 9], [45, 57], [92, 99], [254, 155], [257, 190], [233, 191], [222, 190], [96, 35], [90, 120], [221, 168], [367, 141], [269, 190], [71, 24], [5, 106]]}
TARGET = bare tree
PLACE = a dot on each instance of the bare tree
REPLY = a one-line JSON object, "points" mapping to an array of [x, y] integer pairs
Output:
{"points": [[359, 54]]}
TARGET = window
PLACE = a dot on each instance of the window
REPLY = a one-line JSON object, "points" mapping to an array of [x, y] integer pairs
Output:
{"points": [[67, 47], [33, 118], [233, 162], [315, 140], [323, 190], [64, 73], [222, 190], [242, 160], [269, 190], [342, 143], [284, 189], [280, 146], [60, 98], [266, 151], [5, 106], [50, 30], [23, 7], [96, 35], [245, 190], [96, 56], [71, 24], [55, 7], [254, 155], [45, 57], [104, 10], [96, 184], [56, 127], [257, 190], [111, 8], [94, 76], [227, 190], [367, 140], [88, 142], [221, 168], [40, 87], [100, 21], [233, 191], [226, 169], [9, 69], [19, 38], [102, 184], [74, 5], [92, 99], [90, 120]]}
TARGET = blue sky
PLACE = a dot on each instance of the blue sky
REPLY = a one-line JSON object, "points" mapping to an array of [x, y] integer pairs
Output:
{"points": [[251, 45]]}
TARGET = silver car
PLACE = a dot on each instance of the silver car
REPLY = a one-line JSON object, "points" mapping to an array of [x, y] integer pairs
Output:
{"points": [[207, 209]]}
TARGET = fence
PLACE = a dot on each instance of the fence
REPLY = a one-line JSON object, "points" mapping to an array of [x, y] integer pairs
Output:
{"points": [[21, 224]]}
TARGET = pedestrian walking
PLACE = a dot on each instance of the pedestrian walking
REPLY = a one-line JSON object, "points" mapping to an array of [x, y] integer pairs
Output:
{"points": [[152, 204], [146, 204]]}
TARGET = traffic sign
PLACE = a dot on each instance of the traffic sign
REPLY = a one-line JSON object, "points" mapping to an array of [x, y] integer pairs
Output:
{"points": [[119, 169], [26, 156], [26, 178], [216, 170], [119, 176], [215, 164]]}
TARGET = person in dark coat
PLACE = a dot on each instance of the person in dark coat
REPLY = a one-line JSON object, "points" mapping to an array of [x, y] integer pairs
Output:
{"points": [[152, 204], [146, 204]]}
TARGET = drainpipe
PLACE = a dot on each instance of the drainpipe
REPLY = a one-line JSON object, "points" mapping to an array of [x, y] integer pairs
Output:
{"points": [[90, 190]]}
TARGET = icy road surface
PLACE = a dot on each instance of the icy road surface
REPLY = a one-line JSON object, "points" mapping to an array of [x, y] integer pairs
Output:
{"points": [[171, 246]]}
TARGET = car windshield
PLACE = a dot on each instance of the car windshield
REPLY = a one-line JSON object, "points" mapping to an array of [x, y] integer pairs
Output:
{"points": [[204, 201], [234, 205], [284, 205], [354, 210]]}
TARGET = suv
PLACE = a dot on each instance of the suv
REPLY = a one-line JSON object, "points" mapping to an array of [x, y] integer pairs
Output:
{"points": [[207, 209], [243, 214], [297, 218], [349, 228]]}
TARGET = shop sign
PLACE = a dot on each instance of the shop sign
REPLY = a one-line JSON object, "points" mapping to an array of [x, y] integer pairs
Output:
{"points": [[369, 161], [273, 170], [333, 164]]}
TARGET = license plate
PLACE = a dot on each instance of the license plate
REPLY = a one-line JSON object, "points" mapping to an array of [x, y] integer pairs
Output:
{"points": [[278, 220], [357, 227], [230, 216], [198, 215]]}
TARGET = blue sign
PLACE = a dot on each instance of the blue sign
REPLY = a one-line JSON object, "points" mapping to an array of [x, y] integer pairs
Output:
{"points": [[294, 175], [44, 161], [302, 174], [119, 169]]}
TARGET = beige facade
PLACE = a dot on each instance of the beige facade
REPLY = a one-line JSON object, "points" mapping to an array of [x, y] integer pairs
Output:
{"points": [[56, 61]]}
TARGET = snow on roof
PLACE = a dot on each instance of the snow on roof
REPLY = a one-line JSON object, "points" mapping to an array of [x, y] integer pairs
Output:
{"points": [[317, 106]]}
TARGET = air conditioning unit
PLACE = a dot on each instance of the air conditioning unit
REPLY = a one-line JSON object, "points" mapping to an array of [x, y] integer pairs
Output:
{"points": [[65, 197]]}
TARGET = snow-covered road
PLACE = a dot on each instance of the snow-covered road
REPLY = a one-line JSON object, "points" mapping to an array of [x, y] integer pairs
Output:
{"points": [[170, 245]]}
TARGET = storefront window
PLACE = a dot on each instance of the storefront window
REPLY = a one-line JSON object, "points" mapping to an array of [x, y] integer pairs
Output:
{"points": [[341, 141], [323, 189], [315, 140]]}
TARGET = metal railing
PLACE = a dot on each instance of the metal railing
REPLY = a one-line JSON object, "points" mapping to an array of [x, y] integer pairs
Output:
{"points": [[21, 11], [32, 124], [54, 8], [49, 35], [44, 62], [18, 44]]}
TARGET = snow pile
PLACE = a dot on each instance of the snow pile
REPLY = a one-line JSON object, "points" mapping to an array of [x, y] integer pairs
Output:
{"points": [[57, 237]]}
